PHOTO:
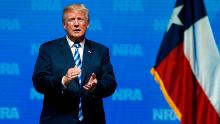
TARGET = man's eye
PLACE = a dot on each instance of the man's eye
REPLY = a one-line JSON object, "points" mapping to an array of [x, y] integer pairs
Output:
{"points": [[72, 19], [81, 19]]}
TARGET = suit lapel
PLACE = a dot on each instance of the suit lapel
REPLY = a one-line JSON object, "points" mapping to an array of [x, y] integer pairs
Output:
{"points": [[87, 54], [67, 54]]}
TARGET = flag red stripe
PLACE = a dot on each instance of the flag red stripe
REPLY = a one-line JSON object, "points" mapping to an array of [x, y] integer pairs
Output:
{"points": [[184, 89]]}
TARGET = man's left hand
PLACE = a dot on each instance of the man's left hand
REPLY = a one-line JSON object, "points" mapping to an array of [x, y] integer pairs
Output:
{"points": [[91, 83]]}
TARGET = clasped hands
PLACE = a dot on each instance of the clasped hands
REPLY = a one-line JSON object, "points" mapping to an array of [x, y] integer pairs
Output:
{"points": [[73, 73]]}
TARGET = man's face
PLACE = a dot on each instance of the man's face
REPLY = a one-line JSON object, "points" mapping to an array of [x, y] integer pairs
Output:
{"points": [[75, 23]]}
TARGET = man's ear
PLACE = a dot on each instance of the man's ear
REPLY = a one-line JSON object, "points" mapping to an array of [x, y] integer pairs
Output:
{"points": [[64, 26], [88, 24]]}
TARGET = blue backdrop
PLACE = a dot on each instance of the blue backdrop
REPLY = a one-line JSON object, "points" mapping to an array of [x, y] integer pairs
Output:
{"points": [[132, 29]]}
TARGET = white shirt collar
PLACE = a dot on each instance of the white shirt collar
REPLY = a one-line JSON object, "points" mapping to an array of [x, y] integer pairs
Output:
{"points": [[71, 43]]}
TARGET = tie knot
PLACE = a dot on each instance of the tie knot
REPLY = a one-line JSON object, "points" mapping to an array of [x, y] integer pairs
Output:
{"points": [[77, 45]]}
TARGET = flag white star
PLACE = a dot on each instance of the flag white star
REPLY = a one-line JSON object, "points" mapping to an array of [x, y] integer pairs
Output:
{"points": [[174, 18]]}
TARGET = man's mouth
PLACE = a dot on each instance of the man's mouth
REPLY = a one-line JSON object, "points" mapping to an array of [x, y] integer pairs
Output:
{"points": [[76, 30]]}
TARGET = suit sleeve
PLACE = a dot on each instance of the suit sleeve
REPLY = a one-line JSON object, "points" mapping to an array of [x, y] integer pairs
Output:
{"points": [[43, 79], [106, 84]]}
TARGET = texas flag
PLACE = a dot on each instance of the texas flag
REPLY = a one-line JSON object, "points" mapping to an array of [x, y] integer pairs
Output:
{"points": [[188, 65]]}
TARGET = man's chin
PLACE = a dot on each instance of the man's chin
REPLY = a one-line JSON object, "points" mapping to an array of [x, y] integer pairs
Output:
{"points": [[78, 37]]}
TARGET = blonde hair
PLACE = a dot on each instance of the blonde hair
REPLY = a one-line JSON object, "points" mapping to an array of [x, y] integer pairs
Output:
{"points": [[77, 7]]}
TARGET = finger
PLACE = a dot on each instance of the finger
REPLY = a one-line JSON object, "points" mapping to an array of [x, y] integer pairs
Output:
{"points": [[73, 77], [90, 79], [85, 87], [89, 85], [75, 73], [72, 69], [77, 68], [94, 84], [93, 75]]}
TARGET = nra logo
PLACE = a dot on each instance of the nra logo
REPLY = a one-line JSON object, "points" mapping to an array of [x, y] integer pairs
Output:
{"points": [[127, 94], [127, 50], [128, 5], [34, 95], [46, 5], [9, 113], [9, 24], [164, 115], [9, 69]]}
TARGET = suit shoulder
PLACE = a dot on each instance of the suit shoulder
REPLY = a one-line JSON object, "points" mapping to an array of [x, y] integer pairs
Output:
{"points": [[52, 43], [97, 45]]}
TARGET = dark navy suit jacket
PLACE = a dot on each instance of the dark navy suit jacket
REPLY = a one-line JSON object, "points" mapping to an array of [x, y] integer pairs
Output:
{"points": [[60, 105]]}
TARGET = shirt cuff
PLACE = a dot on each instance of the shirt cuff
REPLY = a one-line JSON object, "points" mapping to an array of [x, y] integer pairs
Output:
{"points": [[64, 86]]}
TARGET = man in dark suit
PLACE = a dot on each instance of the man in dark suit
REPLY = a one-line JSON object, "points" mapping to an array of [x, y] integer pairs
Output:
{"points": [[74, 74]]}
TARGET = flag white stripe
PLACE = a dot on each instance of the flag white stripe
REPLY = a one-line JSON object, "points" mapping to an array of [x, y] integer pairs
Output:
{"points": [[203, 55]]}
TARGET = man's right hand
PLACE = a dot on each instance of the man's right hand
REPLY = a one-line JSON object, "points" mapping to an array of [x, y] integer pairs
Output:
{"points": [[71, 74]]}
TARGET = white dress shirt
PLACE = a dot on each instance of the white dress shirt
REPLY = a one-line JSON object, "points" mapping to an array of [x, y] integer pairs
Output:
{"points": [[71, 44]]}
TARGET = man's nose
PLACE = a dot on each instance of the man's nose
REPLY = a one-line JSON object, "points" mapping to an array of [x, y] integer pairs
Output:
{"points": [[76, 22]]}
